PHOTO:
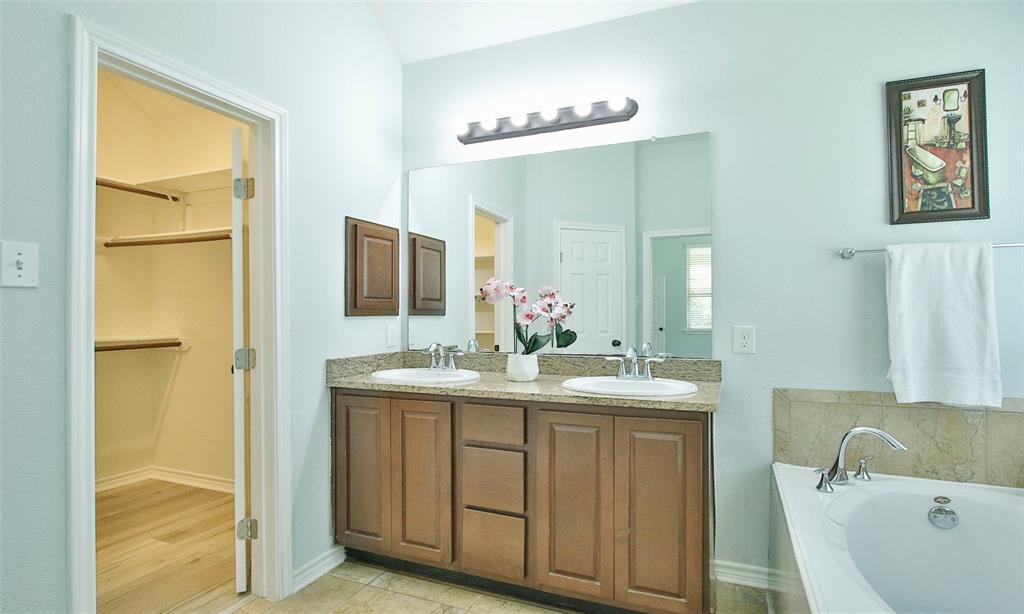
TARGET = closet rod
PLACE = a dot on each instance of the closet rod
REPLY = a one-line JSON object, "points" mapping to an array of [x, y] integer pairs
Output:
{"points": [[137, 345], [170, 238], [127, 187]]}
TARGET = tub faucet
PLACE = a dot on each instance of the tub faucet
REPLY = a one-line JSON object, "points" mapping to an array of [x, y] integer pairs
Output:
{"points": [[837, 474]]}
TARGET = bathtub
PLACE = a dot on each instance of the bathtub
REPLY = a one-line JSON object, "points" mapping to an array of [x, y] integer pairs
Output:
{"points": [[870, 547]]}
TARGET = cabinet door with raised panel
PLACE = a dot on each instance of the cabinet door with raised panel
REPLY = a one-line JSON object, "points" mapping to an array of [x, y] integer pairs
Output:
{"points": [[659, 520], [421, 480], [574, 502], [362, 472]]}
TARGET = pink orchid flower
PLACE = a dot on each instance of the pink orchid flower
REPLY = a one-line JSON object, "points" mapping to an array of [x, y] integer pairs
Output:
{"points": [[494, 291], [549, 294], [526, 318], [519, 296], [542, 308]]}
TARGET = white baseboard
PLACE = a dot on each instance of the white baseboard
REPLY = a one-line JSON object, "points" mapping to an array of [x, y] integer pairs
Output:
{"points": [[749, 575], [122, 479], [167, 474], [191, 478], [317, 568]]}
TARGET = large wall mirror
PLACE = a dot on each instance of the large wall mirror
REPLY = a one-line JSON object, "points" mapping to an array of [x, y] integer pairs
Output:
{"points": [[622, 231]]}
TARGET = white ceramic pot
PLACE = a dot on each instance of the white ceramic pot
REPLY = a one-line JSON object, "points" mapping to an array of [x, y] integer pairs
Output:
{"points": [[522, 367]]}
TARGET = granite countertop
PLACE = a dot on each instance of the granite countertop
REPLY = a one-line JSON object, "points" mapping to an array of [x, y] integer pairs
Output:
{"points": [[546, 389]]}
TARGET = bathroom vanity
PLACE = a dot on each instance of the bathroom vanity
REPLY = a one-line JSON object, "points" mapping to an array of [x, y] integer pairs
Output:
{"points": [[527, 484]]}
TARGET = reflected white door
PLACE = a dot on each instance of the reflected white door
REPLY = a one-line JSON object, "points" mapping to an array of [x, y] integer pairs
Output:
{"points": [[591, 276], [658, 313], [238, 341]]}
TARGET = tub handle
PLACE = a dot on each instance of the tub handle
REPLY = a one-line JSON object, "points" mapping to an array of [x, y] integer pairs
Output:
{"points": [[862, 469]]}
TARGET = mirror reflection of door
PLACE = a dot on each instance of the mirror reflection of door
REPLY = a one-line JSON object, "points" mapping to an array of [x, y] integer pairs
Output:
{"points": [[484, 268], [681, 266], [591, 273]]}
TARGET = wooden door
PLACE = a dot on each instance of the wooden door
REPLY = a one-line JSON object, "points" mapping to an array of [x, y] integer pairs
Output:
{"points": [[591, 275], [574, 502], [421, 480], [659, 519], [362, 472]]}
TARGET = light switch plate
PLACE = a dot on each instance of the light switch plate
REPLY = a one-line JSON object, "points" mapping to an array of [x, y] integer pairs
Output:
{"points": [[19, 265], [744, 339]]}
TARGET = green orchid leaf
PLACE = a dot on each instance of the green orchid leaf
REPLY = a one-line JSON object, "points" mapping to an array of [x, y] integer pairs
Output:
{"points": [[564, 337], [521, 334], [536, 342]]}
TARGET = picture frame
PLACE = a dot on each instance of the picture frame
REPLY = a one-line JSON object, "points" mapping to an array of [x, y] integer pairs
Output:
{"points": [[938, 158]]}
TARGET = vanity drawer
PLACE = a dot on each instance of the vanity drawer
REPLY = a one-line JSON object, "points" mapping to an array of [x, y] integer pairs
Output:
{"points": [[494, 424], [493, 544], [493, 479]]}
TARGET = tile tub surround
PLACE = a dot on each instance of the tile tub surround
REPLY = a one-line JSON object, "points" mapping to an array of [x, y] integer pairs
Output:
{"points": [[689, 369], [982, 445], [546, 389]]}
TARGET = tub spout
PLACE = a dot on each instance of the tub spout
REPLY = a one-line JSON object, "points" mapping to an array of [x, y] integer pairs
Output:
{"points": [[837, 474]]}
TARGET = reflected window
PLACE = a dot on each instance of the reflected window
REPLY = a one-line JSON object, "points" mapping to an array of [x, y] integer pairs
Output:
{"points": [[698, 287]]}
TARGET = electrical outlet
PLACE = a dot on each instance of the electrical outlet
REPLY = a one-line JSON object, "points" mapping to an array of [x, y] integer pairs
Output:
{"points": [[744, 339], [391, 336]]}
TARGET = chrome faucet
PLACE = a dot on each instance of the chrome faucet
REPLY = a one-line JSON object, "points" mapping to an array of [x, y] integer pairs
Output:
{"points": [[837, 473], [633, 371], [442, 357]]}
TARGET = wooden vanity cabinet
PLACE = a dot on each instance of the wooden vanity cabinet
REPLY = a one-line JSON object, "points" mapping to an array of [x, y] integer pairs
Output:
{"points": [[598, 503], [392, 477]]}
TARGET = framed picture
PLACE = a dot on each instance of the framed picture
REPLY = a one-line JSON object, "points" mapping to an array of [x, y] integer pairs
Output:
{"points": [[937, 156]]}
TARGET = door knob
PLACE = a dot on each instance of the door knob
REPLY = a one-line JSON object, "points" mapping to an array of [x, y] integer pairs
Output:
{"points": [[616, 343]]}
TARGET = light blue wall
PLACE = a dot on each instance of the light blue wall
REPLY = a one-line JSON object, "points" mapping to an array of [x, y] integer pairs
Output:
{"points": [[331, 69], [793, 97], [668, 259]]}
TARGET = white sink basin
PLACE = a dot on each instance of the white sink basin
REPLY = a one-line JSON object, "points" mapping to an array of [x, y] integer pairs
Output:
{"points": [[426, 377], [612, 386]]}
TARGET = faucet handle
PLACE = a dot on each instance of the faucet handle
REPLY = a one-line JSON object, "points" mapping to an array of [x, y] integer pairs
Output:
{"points": [[622, 364], [862, 469], [647, 366], [824, 484], [451, 359]]}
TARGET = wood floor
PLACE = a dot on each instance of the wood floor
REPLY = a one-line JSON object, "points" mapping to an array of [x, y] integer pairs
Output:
{"points": [[163, 547]]}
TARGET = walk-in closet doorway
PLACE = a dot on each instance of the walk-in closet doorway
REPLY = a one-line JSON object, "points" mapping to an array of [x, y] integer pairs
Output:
{"points": [[177, 461]]}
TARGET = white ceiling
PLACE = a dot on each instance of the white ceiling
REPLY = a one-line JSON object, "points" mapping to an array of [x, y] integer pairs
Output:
{"points": [[422, 30]]}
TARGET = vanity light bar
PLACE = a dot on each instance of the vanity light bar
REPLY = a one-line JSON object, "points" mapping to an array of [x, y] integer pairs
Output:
{"points": [[565, 118]]}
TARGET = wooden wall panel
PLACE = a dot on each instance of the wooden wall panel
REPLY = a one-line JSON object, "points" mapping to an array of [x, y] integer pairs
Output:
{"points": [[426, 276], [371, 269]]}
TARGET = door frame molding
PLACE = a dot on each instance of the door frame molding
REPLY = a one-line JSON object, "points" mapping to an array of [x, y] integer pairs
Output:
{"points": [[503, 238], [270, 457], [647, 275], [561, 225]]}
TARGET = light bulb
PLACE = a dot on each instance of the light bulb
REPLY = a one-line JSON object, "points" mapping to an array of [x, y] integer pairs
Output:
{"points": [[617, 104], [583, 109], [462, 129], [489, 124], [549, 115], [519, 120]]}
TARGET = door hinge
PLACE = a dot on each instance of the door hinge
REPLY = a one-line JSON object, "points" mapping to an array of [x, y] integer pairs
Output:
{"points": [[244, 188], [245, 359], [247, 528], [561, 257]]}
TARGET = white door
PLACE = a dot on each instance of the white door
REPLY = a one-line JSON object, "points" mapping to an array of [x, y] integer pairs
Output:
{"points": [[591, 276], [658, 313], [238, 341]]}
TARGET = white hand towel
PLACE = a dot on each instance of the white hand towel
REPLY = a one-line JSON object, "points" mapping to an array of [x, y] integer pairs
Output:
{"points": [[942, 324]]}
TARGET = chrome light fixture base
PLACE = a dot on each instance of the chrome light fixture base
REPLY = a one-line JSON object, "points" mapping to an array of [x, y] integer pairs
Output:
{"points": [[565, 119]]}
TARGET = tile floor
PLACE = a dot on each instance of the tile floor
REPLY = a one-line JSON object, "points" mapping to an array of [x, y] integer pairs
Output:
{"points": [[359, 588], [363, 589]]}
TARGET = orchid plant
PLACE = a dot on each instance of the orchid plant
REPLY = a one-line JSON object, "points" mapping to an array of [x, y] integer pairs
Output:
{"points": [[549, 309]]}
